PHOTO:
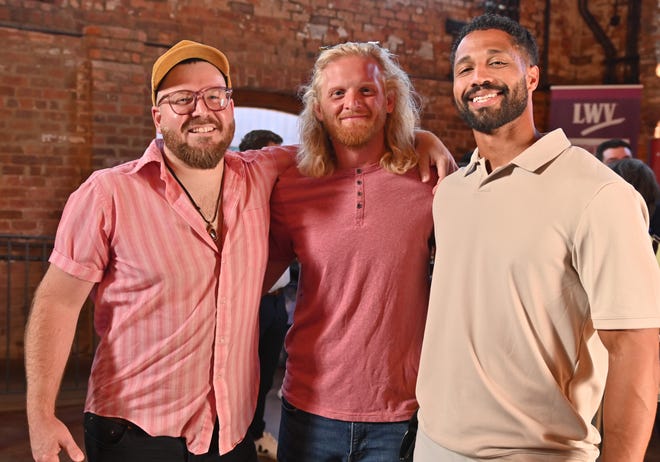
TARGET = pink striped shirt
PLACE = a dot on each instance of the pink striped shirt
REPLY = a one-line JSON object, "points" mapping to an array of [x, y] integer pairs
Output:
{"points": [[177, 319]]}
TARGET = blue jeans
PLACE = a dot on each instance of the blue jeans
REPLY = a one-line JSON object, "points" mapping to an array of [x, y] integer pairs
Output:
{"points": [[306, 437]]}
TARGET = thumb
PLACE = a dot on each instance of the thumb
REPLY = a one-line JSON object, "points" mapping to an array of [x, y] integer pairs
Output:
{"points": [[424, 172], [72, 449]]}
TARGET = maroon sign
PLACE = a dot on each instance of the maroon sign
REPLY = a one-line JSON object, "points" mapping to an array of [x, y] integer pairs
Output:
{"points": [[592, 114]]}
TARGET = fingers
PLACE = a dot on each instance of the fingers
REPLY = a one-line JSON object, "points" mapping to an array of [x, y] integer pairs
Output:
{"points": [[49, 437], [447, 165], [70, 447], [424, 170], [74, 452]]}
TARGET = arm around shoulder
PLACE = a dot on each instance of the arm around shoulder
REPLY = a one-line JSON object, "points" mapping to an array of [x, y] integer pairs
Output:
{"points": [[282, 157], [432, 151]]}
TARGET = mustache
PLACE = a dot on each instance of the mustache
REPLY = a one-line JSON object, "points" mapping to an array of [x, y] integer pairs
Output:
{"points": [[485, 86], [347, 114], [202, 121]]}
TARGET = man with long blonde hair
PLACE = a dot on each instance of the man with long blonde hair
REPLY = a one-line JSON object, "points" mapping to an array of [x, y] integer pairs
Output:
{"points": [[316, 156], [358, 219]]}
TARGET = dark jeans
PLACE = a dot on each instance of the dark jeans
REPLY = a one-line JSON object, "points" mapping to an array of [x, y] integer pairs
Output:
{"points": [[272, 329], [306, 437], [118, 440]]}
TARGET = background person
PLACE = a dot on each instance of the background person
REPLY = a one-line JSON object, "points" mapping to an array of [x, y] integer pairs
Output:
{"points": [[257, 139], [642, 178], [612, 150], [616, 149]]}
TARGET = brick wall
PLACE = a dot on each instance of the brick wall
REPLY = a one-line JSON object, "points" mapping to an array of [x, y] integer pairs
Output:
{"points": [[74, 75]]}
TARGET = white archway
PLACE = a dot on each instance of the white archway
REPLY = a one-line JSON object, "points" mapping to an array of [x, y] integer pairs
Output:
{"points": [[252, 118]]}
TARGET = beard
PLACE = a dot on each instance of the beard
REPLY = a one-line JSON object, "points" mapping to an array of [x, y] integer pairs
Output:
{"points": [[487, 119], [203, 157], [358, 134]]}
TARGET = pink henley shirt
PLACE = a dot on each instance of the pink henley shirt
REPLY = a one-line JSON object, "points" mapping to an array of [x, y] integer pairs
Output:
{"points": [[362, 239]]}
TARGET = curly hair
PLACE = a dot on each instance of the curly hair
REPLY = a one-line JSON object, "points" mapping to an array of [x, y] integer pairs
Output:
{"points": [[316, 156]]}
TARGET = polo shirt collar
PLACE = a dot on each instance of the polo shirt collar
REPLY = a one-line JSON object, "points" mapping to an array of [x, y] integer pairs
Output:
{"points": [[531, 159]]}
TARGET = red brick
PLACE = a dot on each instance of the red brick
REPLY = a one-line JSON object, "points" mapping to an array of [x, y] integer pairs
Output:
{"points": [[80, 100]]}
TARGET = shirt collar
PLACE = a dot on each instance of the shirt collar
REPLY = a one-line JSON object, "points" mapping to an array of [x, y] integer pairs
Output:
{"points": [[531, 159], [154, 154]]}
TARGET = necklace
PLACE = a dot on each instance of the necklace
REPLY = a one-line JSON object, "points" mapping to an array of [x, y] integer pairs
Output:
{"points": [[209, 223]]}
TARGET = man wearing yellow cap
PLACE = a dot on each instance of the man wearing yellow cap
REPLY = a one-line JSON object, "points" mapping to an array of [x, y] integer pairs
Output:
{"points": [[172, 248]]}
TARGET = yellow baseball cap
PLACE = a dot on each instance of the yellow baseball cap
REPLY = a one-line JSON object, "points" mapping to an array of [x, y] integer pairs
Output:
{"points": [[186, 49]]}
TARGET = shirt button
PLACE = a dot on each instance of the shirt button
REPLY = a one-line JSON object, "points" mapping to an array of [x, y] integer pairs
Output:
{"points": [[359, 181], [359, 170], [359, 205]]}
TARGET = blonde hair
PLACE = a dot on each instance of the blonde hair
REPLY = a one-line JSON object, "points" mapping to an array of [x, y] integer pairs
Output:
{"points": [[316, 156]]}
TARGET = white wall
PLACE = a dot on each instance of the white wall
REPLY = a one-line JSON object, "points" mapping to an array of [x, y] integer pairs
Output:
{"points": [[250, 118]]}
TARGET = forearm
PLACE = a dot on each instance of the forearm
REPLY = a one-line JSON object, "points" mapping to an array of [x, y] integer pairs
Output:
{"points": [[48, 338], [283, 156], [49, 335], [631, 394]]}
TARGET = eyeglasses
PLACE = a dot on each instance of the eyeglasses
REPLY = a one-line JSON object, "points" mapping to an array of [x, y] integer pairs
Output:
{"points": [[184, 102]]}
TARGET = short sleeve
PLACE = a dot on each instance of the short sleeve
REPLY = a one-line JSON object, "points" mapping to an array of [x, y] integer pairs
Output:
{"points": [[82, 239], [614, 258]]}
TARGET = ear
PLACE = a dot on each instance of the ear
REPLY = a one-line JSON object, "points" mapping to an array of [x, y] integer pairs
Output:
{"points": [[155, 115], [317, 112], [532, 77], [390, 102]]}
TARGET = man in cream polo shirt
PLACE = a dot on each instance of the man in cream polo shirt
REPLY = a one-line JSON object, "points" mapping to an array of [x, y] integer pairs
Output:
{"points": [[546, 291]]}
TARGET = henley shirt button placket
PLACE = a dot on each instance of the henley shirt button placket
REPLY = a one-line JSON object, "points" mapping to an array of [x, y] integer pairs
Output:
{"points": [[359, 188]]}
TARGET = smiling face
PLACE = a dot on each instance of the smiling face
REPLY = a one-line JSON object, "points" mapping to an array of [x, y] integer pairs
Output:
{"points": [[201, 138], [352, 103], [493, 81]]}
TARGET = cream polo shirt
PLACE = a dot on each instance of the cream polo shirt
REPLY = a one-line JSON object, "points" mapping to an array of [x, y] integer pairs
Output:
{"points": [[530, 260]]}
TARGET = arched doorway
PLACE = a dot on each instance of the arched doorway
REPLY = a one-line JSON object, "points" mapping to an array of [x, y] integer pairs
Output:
{"points": [[256, 110], [254, 118]]}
